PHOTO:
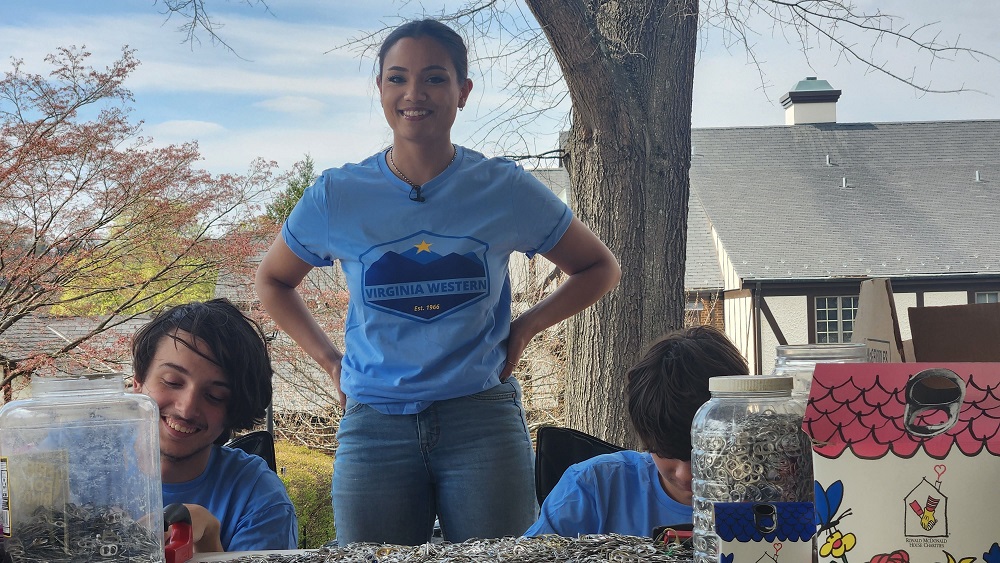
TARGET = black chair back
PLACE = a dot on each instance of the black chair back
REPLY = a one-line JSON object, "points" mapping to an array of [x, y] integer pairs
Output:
{"points": [[258, 442], [557, 448]]}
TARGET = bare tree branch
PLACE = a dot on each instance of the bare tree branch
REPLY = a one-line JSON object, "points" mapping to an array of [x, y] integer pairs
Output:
{"points": [[833, 24], [508, 45], [195, 17]]}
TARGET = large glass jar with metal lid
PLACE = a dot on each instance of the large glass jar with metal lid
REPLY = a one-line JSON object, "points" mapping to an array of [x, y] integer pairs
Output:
{"points": [[748, 446], [798, 361], [80, 462]]}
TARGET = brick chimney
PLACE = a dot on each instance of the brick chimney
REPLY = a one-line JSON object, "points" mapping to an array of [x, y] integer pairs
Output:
{"points": [[810, 101]]}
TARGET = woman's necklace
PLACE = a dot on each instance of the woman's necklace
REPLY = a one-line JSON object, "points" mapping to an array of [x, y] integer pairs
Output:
{"points": [[414, 187]]}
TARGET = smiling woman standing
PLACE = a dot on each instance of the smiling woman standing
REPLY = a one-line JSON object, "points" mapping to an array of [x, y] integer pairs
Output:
{"points": [[433, 423]]}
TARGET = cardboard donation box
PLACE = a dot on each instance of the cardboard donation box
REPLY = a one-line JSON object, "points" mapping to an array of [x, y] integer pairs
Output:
{"points": [[906, 459], [956, 333], [876, 324]]}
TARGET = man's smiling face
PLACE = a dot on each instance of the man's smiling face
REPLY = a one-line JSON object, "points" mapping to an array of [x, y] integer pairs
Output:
{"points": [[192, 394]]}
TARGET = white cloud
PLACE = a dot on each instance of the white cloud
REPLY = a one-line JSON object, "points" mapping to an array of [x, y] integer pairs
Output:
{"points": [[292, 104], [162, 76], [331, 142], [183, 130]]}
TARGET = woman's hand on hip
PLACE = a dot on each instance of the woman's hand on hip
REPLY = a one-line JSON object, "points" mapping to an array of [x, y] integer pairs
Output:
{"points": [[517, 342]]}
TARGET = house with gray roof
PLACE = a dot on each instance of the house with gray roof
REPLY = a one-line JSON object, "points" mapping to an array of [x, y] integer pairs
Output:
{"points": [[39, 334], [802, 213], [787, 220]]}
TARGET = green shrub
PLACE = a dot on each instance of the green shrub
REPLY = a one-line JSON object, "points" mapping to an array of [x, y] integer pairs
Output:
{"points": [[307, 475]]}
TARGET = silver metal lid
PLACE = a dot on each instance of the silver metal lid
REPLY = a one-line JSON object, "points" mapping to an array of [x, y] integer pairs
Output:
{"points": [[750, 383]]}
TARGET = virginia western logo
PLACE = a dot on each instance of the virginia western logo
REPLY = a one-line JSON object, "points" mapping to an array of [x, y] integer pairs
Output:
{"points": [[425, 276]]}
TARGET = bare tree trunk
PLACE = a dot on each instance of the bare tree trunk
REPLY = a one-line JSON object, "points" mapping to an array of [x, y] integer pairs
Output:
{"points": [[628, 162], [8, 390]]}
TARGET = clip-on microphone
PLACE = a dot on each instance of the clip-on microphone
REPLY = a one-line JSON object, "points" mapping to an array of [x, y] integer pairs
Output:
{"points": [[417, 197]]}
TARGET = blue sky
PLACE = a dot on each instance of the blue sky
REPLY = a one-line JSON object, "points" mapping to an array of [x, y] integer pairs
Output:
{"points": [[288, 94]]}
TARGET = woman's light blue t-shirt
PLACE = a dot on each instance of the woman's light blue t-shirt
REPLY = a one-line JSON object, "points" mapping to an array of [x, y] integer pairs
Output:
{"points": [[430, 294]]}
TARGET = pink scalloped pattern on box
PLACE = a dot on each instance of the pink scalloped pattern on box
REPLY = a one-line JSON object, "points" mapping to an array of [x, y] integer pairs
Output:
{"points": [[861, 407]]}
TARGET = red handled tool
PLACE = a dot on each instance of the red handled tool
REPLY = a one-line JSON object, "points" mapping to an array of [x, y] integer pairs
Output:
{"points": [[677, 534], [177, 521]]}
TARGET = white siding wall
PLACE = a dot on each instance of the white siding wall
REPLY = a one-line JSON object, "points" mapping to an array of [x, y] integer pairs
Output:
{"points": [[823, 112], [739, 326], [945, 298], [792, 316], [738, 311]]}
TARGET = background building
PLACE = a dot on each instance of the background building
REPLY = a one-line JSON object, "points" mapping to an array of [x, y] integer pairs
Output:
{"points": [[786, 221]]}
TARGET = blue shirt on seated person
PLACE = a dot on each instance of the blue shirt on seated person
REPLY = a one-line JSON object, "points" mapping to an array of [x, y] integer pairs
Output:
{"points": [[611, 493], [631, 492]]}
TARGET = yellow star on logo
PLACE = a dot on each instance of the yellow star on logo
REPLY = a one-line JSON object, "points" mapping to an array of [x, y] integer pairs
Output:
{"points": [[424, 246]]}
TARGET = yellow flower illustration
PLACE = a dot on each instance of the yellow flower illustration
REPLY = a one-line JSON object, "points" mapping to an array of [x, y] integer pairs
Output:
{"points": [[951, 559], [837, 545]]}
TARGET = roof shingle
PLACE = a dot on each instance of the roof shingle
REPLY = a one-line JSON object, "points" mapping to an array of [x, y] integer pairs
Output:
{"points": [[911, 206]]}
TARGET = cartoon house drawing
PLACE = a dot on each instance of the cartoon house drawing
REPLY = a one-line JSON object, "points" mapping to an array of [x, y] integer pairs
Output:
{"points": [[926, 511], [767, 558], [885, 430]]}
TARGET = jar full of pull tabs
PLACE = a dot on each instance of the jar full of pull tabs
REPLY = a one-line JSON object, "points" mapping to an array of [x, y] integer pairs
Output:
{"points": [[748, 447], [798, 361], [80, 473]]}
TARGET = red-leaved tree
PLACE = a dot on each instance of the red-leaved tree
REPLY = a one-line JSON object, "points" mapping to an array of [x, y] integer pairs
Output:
{"points": [[98, 224]]}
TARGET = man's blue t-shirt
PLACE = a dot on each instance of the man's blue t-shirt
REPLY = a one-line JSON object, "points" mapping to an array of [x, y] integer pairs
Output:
{"points": [[248, 498], [617, 493]]}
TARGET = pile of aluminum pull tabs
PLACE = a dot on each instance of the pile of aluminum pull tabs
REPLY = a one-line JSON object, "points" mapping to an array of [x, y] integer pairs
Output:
{"points": [[82, 534], [542, 549]]}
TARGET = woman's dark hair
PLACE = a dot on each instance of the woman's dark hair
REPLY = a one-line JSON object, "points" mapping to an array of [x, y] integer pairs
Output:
{"points": [[235, 343], [446, 36], [668, 385]]}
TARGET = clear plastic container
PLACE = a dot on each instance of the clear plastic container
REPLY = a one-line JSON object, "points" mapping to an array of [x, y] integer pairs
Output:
{"points": [[748, 446], [81, 459], [798, 361]]}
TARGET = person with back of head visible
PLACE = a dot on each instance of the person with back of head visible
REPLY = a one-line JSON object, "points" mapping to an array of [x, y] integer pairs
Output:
{"points": [[632, 492], [207, 367], [433, 422]]}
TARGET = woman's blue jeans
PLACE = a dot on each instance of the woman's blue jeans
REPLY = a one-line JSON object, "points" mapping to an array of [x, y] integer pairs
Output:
{"points": [[467, 461]]}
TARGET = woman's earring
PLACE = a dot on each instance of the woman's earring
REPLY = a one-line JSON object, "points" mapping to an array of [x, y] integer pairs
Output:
{"points": [[460, 108]]}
